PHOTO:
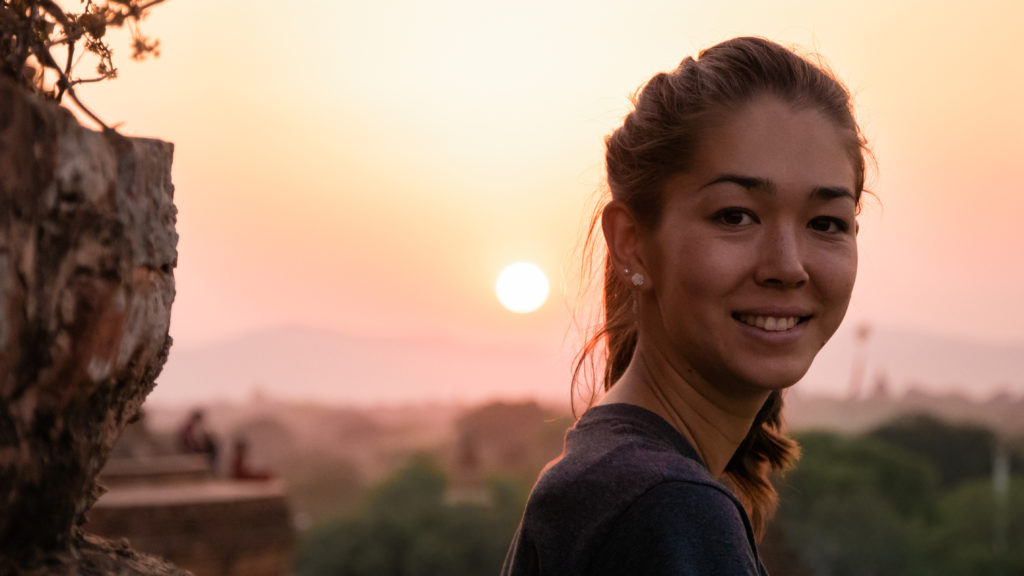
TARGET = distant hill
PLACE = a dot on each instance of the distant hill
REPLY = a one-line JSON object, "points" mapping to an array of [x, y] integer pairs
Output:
{"points": [[305, 364]]}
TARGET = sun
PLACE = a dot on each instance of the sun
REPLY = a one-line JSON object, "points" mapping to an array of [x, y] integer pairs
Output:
{"points": [[522, 287]]}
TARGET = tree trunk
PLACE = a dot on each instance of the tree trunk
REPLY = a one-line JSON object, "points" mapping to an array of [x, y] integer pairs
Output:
{"points": [[87, 254]]}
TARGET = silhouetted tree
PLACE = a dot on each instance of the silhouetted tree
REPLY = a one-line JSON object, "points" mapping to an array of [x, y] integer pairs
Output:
{"points": [[959, 452]]}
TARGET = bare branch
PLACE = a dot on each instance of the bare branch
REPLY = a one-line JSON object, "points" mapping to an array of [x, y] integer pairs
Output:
{"points": [[89, 80], [31, 31], [67, 70], [82, 107]]}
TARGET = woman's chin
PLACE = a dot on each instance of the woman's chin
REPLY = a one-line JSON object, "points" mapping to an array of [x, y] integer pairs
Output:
{"points": [[776, 377]]}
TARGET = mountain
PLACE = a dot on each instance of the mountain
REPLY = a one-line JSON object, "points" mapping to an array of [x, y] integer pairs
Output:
{"points": [[299, 363], [307, 364]]}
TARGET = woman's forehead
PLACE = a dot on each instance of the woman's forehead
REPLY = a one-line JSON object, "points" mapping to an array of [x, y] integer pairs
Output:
{"points": [[772, 141]]}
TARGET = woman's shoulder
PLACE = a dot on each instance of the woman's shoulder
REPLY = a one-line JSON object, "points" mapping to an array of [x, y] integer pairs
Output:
{"points": [[621, 443], [615, 457]]}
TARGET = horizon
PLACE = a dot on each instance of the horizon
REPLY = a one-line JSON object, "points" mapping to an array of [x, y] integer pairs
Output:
{"points": [[354, 369], [371, 169]]}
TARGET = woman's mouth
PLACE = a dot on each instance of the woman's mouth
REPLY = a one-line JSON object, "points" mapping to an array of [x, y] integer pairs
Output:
{"points": [[770, 323]]}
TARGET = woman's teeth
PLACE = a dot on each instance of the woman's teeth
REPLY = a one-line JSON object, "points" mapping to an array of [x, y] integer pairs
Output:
{"points": [[769, 323]]}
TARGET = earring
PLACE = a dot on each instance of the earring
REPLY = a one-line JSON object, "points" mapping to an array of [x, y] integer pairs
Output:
{"points": [[637, 278]]}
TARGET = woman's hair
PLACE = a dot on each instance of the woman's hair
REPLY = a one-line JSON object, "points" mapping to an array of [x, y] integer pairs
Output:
{"points": [[660, 138]]}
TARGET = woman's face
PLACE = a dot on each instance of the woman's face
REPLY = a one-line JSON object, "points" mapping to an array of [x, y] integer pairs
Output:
{"points": [[752, 264]]}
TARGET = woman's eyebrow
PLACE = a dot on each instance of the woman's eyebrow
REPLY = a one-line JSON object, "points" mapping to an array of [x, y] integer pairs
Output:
{"points": [[748, 182], [765, 184], [833, 193]]}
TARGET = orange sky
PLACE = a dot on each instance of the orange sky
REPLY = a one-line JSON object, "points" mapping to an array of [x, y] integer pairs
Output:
{"points": [[370, 167]]}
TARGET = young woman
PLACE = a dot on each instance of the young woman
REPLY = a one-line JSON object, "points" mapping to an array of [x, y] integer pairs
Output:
{"points": [[731, 233]]}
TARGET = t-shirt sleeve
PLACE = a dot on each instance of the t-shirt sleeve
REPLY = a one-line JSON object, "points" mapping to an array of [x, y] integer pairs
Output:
{"points": [[679, 529]]}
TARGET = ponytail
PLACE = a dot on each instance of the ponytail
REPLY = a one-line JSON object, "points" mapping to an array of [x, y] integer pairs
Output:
{"points": [[765, 451]]}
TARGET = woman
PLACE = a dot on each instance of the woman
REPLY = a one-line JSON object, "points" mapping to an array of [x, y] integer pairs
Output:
{"points": [[732, 252]]}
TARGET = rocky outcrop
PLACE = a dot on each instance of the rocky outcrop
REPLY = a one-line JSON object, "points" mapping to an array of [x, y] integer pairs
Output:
{"points": [[87, 254]]}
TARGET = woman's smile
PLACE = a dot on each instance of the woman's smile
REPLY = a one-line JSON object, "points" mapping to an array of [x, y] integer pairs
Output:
{"points": [[770, 323], [754, 259], [777, 331]]}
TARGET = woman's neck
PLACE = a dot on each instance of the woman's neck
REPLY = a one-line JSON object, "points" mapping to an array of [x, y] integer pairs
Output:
{"points": [[713, 423]]}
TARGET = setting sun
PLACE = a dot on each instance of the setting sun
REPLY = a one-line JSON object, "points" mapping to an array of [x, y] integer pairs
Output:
{"points": [[522, 287]]}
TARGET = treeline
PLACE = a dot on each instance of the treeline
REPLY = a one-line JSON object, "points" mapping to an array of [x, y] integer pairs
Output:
{"points": [[915, 496], [410, 526]]}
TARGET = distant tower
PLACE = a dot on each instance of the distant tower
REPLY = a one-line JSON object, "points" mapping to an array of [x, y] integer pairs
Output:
{"points": [[880, 388], [860, 360]]}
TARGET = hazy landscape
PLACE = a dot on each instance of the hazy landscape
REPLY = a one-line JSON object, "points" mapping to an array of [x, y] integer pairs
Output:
{"points": [[301, 364], [458, 430], [330, 453], [463, 470]]}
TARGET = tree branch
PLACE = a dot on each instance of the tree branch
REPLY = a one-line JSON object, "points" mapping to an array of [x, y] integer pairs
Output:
{"points": [[37, 27]]}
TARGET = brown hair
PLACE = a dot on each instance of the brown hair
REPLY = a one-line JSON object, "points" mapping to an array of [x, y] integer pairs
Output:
{"points": [[659, 139]]}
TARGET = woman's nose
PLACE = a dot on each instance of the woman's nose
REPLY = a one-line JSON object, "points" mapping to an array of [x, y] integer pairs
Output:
{"points": [[781, 262]]}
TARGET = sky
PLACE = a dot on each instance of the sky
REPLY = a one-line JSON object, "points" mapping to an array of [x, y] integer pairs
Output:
{"points": [[369, 168]]}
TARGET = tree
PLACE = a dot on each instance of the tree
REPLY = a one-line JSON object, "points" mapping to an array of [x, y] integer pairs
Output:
{"points": [[909, 498], [977, 535], [87, 224], [408, 529], [856, 506], [39, 40], [958, 452]]}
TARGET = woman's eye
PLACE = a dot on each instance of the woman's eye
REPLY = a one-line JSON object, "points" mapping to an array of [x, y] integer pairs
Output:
{"points": [[828, 225], [735, 217]]}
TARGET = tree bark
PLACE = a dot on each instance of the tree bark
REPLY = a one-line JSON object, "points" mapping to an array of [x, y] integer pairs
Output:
{"points": [[87, 253]]}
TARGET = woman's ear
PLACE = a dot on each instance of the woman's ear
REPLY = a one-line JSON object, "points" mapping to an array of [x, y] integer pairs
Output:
{"points": [[622, 233]]}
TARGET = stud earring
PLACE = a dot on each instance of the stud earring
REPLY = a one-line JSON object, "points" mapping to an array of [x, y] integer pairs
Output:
{"points": [[637, 279]]}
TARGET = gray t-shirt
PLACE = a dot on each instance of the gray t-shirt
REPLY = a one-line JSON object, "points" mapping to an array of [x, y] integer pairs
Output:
{"points": [[629, 495]]}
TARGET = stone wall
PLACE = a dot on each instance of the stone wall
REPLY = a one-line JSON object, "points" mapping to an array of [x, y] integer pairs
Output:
{"points": [[213, 528]]}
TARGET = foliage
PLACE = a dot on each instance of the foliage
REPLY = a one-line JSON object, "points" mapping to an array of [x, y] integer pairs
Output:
{"points": [[843, 465], [959, 452], [39, 37], [893, 503], [977, 532], [855, 506], [409, 528]]}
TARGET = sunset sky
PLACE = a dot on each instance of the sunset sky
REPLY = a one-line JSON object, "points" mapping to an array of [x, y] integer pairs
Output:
{"points": [[369, 168]]}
